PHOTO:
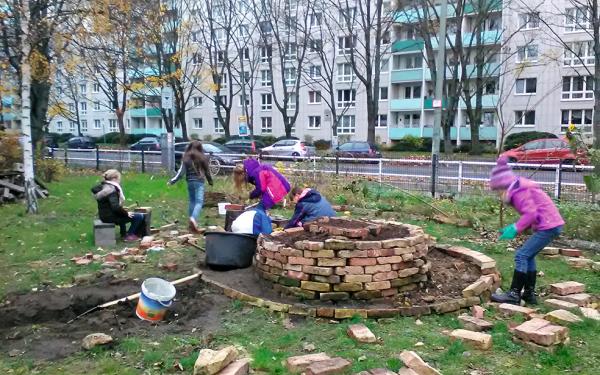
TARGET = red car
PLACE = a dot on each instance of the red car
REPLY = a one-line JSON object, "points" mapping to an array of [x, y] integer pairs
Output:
{"points": [[546, 151]]}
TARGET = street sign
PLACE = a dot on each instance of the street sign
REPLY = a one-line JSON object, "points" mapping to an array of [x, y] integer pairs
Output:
{"points": [[243, 125], [167, 98], [437, 103]]}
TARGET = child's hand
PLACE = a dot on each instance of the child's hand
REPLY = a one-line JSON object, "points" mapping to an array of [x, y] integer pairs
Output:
{"points": [[509, 232]]}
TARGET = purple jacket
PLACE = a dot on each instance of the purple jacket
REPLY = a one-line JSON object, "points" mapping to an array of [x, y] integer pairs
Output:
{"points": [[535, 206], [270, 185]]}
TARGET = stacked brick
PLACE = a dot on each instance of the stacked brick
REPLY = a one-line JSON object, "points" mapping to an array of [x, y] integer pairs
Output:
{"points": [[345, 266]]}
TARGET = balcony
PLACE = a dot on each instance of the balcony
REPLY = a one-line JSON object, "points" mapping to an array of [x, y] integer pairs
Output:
{"points": [[488, 101], [155, 131], [144, 112], [411, 15], [487, 133], [409, 75], [410, 45], [398, 105]]}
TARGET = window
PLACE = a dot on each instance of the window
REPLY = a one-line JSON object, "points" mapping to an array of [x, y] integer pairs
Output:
{"points": [[345, 73], [197, 123], [266, 102], [96, 88], [128, 124], [381, 121], [579, 54], [528, 53], [82, 88], [488, 119], [386, 37], [220, 101], [582, 118], [346, 44], [316, 19], [385, 65], [383, 93], [245, 77], [315, 46], [290, 24], [83, 107], [290, 76], [291, 104], [526, 86], [197, 101], [314, 72], [529, 21], [578, 87], [266, 53], [490, 88], [196, 59], [347, 15], [222, 81], [245, 102], [97, 124], [265, 27], [219, 129], [266, 125], [59, 126], [290, 51], [401, 62], [84, 126], [266, 78], [243, 31], [221, 55], [244, 53], [59, 90], [314, 122], [346, 124], [112, 125], [72, 126], [578, 19], [524, 118], [314, 97], [412, 92], [71, 107], [96, 106], [346, 98]]}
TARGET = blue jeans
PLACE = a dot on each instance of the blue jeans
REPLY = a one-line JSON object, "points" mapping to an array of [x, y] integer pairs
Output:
{"points": [[525, 255], [136, 222], [196, 194]]}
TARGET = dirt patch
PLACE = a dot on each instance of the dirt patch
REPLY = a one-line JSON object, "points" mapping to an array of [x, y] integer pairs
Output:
{"points": [[36, 323], [388, 231], [449, 276]]}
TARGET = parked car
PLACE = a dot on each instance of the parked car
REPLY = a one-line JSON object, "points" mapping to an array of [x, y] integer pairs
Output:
{"points": [[546, 151], [81, 142], [246, 146], [219, 155], [357, 150], [146, 144], [289, 147]]}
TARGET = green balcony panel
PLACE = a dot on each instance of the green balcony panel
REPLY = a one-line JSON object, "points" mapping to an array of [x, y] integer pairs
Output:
{"points": [[411, 45], [155, 131], [413, 15], [407, 75], [489, 70], [145, 112], [487, 101], [405, 105], [488, 133]]}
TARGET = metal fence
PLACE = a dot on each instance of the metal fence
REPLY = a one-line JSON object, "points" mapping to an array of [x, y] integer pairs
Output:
{"points": [[449, 177]]}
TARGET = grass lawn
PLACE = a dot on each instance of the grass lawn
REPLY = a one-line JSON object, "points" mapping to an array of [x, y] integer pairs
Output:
{"points": [[35, 250]]}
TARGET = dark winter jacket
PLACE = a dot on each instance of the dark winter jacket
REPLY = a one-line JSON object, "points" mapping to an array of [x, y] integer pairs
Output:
{"points": [[110, 209], [192, 173], [310, 206]]}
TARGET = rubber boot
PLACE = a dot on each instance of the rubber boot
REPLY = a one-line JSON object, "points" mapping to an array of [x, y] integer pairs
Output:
{"points": [[513, 296], [529, 289]]}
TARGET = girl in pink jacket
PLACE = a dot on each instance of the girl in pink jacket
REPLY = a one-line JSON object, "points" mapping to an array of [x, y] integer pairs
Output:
{"points": [[539, 213]]}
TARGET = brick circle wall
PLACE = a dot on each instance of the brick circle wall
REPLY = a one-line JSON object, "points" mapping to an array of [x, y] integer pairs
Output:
{"points": [[342, 268]]}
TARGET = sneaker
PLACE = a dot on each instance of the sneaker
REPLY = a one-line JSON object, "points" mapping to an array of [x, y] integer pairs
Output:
{"points": [[131, 238]]}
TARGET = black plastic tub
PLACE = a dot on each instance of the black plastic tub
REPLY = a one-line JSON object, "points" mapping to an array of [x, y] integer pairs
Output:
{"points": [[227, 251]]}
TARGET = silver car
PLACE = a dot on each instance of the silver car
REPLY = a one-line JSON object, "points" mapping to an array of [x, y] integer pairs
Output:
{"points": [[289, 147]]}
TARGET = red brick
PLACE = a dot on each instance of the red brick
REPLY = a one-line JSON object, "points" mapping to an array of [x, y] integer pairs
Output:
{"points": [[408, 272], [274, 263], [408, 257], [378, 285], [334, 296], [291, 252], [390, 260], [280, 258], [359, 233], [414, 362], [293, 267], [358, 278], [361, 333], [474, 324], [334, 244], [567, 287], [349, 313], [333, 279], [401, 266], [300, 363], [558, 304], [294, 230], [297, 275], [331, 366], [580, 299], [403, 250], [348, 287], [541, 332], [571, 252], [301, 260], [323, 271], [239, 367], [511, 310], [477, 340], [331, 262], [349, 270], [353, 253], [368, 294], [362, 261], [319, 254], [382, 276], [377, 269], [367, 245], [389, 292], [325, 312], [317, 287], [477, 311]]}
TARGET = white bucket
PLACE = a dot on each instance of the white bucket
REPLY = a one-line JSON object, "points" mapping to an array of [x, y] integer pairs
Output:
{"points": [[156, 297], [222, 205]]}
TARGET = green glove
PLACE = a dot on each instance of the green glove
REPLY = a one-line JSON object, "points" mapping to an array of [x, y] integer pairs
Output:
{"points": [[509, 232]]}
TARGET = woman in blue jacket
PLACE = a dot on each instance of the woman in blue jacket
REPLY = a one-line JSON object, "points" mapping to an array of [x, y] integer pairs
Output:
{"points": [[310, 205]]}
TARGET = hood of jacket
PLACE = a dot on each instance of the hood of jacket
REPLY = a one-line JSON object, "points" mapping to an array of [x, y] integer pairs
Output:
{"points": [[103, 190], [251, 165], [311, 196], [519, 183]]}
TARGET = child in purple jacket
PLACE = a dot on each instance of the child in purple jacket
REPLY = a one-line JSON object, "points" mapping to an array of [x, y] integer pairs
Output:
{"points": [[270, 185], [539, 213]]}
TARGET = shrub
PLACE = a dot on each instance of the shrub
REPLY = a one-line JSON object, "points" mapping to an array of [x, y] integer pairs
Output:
{"points": [[408, 143], [208, 138], [220, 140], [517, 139], [10, 151], [194, 137], [62, 138], [49, 169], [322, 144], [486, 147]]}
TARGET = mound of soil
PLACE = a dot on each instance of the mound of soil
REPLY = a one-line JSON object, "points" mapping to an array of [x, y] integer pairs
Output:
{"points": [[388, 231], [36, 323]]}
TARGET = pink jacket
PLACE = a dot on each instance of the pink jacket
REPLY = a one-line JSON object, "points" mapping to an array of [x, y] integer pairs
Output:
{"points": [[536, 208]]}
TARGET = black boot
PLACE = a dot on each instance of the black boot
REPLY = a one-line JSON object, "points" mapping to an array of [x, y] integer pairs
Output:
{"points": [[529, 289], [513, 296]]}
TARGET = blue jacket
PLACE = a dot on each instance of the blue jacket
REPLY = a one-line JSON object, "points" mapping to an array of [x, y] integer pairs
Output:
{"points": [[310, 207], [254, 221]]}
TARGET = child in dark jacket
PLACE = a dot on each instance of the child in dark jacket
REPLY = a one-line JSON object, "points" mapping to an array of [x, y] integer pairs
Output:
{"points": [[310, 205], [254, 221], [270, 185], [110, 198], [539, 213]]}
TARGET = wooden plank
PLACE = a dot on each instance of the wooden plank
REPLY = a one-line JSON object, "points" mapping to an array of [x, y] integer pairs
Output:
{"points": [[11, 186]]}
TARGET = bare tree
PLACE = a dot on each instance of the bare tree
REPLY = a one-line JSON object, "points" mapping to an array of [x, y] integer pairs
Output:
{"points": [[365, 25]]}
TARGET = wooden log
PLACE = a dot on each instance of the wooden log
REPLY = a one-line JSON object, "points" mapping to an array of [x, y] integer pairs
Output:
{"points": [[11, 186]]}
